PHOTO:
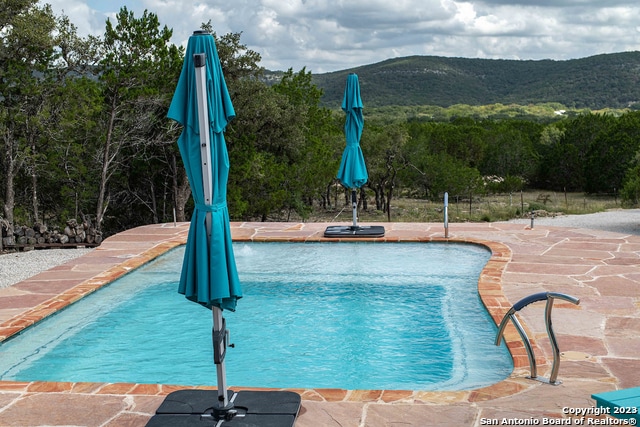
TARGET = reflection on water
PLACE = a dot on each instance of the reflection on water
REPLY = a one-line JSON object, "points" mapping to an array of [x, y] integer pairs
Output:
{"points": [[338, 315]]}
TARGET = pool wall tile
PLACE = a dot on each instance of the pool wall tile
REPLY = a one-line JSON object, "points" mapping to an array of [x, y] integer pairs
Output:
{"points": [[117, 388], [394, 396], [50, 387], [146, 389]]}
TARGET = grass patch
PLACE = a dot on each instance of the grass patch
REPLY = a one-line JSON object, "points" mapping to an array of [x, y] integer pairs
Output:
{"points": [[490, 208]]}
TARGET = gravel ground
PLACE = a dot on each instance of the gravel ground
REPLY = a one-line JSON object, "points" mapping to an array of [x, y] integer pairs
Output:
{"points": [[625, 221], [18, 266]]}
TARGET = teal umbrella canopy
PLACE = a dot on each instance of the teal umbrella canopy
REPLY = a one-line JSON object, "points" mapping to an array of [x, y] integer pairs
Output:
{"points": [[209, 275], [353, 171]]}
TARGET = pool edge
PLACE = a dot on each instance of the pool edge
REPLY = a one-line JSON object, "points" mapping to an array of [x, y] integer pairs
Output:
{"points": [[139, 249]]}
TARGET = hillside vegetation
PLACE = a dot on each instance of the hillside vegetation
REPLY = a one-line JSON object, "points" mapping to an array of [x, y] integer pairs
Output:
{"points": [[596, 82], [86, 138]]}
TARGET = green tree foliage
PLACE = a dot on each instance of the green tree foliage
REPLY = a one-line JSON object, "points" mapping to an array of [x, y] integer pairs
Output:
{"points": [[382, 149], [452, 156], [26, 52], [630, 192], [278, 148], [510, 149], [264, 139], [66, 179], [323, 144], [84, 128], [136, 60], [563, 160], [611, 154]]}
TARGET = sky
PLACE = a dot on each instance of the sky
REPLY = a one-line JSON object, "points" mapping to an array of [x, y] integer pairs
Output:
{"points": [[332, 35]]}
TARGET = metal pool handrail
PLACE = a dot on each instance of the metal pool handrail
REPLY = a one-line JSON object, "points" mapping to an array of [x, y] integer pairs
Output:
{"points": [[510, 315]]}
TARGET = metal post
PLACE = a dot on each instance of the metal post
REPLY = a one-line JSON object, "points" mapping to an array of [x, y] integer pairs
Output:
{"points": [[533, 215], [511, 315], [527, 345], [199, 61], [552, 339], [446, 215]]}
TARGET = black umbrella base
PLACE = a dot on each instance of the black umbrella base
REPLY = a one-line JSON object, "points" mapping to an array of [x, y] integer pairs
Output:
{"points": [[187, 408], [357, 231]]}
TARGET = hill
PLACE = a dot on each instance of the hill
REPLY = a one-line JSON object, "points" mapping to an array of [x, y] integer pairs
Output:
{"points": [[596, 82]]}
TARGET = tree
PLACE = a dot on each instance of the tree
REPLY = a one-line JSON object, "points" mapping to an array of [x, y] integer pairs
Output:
{"points": [[265, 140], [69, 103], [510, 149], [562, 163], [611, 154], [278, 147], [26, 52], [317, 163], [630, 192], [135, 53], [382, 149]]}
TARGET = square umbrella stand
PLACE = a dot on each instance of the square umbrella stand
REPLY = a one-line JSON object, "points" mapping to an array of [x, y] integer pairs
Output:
{"points": [[185, 408], [354, 230], [357, 231]]}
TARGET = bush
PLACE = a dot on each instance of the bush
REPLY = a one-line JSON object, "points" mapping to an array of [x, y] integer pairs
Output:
{"points": [[630, 192]]}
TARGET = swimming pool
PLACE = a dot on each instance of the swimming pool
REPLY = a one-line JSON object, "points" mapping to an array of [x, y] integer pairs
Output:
{"points": [[355, 316]]}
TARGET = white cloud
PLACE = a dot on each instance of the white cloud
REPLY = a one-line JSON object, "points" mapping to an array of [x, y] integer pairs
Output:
{"points": [[339, 34]]}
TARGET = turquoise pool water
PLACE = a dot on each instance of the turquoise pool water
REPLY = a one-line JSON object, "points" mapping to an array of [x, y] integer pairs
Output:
{"points": [[316, 315]]}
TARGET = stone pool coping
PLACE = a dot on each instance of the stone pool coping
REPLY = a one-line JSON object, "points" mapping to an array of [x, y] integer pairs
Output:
{"points": [[599, 338]]}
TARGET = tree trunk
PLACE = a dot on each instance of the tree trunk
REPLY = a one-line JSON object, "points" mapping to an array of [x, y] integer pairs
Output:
{"points": [[363, 199], [326, 201], [101, 207], [34, 183], [389, 197], [10, 172], [34, 196], [154, 205], [378, 197], [181, 189]]}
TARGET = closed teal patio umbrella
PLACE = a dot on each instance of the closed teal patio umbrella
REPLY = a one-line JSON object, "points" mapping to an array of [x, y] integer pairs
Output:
{"points": [[352, 173], [209, 277], [201, 103], [353, 170]]}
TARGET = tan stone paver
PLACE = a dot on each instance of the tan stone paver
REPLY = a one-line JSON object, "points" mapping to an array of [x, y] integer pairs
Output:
{"points": [[599, 339]]}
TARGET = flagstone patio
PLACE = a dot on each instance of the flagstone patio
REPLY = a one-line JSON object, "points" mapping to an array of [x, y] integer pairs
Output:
{"points": [[599, 338]]}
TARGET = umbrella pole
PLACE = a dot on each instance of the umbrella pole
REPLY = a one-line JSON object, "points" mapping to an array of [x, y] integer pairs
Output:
{"points": [[219, 330], [219, 351], [354, 204]]}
